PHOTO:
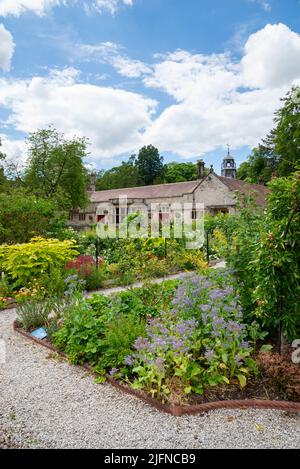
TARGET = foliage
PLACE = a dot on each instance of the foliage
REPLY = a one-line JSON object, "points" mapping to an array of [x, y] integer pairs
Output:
{"points": [[3, 180], [81, 333], [29, 261], [192, 260], [180, 172], [150, 166], [149, 299], [199, 342], [55, 168], [4, 286], [266, 259], [219, 244], [276, 263], [23, 216], [118, 339], [34, 314], [118, 177]]}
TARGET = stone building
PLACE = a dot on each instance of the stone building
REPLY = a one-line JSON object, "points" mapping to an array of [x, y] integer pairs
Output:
{"points": [[228, 166], [217, 193]]}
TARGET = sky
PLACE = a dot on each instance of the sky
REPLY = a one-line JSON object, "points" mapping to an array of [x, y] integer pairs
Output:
{"points": [[188, 76]]}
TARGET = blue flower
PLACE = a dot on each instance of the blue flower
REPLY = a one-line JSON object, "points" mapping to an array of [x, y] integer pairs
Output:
{"points": [[128, 361]]}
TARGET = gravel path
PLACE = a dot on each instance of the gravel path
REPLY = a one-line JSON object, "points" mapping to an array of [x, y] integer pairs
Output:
{"points": [[180, 275], [47, 403]]}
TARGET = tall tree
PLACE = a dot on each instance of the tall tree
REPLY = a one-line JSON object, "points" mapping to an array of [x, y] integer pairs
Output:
{"points": [[262, 164], [119, 177], [287, 133], [150, 165], [3, 180], [180, 172], [55, 168], [23, 216]]}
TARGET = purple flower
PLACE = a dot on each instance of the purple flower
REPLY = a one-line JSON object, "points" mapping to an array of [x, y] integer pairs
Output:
{"points": [[209, 354], [245, 345], [141, 343], [235, 327], [128, 361], [238, 360], [113, 371], [160, 363]]}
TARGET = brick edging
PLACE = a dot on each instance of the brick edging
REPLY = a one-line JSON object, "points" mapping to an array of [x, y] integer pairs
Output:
{"points": [[178, 410]]}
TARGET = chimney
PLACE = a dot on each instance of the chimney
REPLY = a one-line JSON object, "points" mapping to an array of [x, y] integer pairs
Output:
{"points": [[201, 169], [92, 182]]}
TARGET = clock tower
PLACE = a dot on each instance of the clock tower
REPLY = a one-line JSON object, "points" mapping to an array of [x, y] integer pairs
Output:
{"points": [[229, 166]]}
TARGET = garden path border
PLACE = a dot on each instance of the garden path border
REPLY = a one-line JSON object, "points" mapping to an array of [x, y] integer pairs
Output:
{"points": [[178, 410], [110, 291]]}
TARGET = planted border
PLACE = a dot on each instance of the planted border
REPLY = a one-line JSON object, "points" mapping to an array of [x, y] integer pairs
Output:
{"points": [[178, 410]]}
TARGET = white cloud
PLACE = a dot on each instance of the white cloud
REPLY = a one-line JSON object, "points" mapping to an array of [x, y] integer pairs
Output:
{"points": [[111, 53], [113, 120], [130, 68], [272, 57], [14, 149], [7, 47], [17, 7], [264, 4], [218, 100], [110, 5], [40, 7]]}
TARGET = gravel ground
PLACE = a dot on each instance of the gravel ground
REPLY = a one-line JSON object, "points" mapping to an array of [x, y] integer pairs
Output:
{"points": [[47, 403]]}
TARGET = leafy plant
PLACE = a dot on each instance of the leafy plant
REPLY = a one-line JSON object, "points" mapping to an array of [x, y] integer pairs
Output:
{"points": [[25, 262], [81, 333], [119, 337], [34, 314]]}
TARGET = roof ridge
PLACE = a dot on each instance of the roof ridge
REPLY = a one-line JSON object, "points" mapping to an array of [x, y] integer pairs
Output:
{"points": [[196, 181]]}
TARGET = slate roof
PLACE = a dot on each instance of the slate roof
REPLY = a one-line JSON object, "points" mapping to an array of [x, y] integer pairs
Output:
{"points": [[146, 192], [246, 188], [177, 190]]}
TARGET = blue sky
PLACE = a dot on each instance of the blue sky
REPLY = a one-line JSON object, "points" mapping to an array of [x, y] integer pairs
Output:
{"points": [[188, 76]]}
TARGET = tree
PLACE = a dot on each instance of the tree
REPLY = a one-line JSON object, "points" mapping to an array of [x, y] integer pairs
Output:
{"points": [[287, 133], [23, 216], [260, 167], [55, 168], [3, 180], [119, 177], [180, 172], [150, 166]]}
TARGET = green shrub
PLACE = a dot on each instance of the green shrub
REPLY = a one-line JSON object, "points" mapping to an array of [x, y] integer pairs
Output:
{"points": [[34, 314], [26, 262], [266, 259], [5, 289], [119, 336], [81, 333]]}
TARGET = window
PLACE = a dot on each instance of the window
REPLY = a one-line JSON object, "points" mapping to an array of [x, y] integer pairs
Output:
{"points": [[217, 211], [117, 215], [195, 214], [82, 217]]}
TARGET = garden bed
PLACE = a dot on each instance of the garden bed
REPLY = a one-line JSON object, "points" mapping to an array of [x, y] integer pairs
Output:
{"points": [[227, 398]]}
